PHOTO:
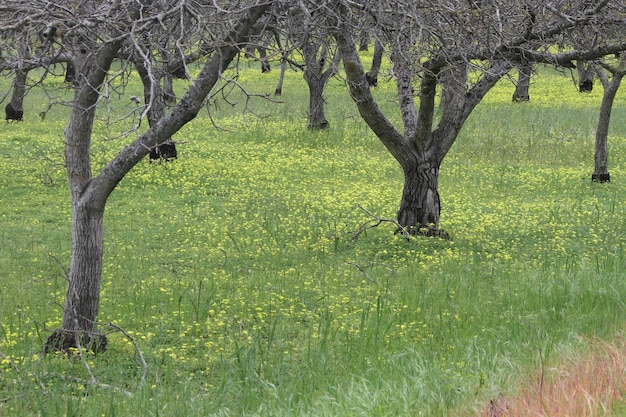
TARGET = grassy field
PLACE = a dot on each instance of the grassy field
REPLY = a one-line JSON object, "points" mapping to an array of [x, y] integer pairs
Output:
{"points": [[240, 292]]}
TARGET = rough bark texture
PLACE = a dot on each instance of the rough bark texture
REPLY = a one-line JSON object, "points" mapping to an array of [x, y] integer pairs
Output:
{"points": [[420, 206]]}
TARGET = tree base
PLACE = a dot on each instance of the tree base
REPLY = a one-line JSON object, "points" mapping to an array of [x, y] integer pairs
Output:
{"points": [[13, 114], [426, 232], [66, 341], [601, 177], [318, 125], [517, 98], [371, 81], [165, 151]]}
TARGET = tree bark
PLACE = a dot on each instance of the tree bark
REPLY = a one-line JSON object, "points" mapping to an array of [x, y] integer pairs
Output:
{"points": [[14, 110], [372, 74], [420, 206], [316, 56], [585, 77], [522, 87], [601, 165]]}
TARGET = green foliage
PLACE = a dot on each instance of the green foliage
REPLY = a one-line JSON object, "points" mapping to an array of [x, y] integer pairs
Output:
{"points": [[233, 269]]}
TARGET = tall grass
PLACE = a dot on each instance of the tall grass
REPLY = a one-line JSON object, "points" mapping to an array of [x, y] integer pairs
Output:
{"points": [[233, 272]]}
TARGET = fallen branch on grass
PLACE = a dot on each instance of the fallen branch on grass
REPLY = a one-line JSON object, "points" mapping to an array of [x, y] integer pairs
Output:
{"points": [[376, 221]]}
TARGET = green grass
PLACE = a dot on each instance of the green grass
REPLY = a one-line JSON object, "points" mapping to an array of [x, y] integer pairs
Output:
{"points": [[233, 269]]}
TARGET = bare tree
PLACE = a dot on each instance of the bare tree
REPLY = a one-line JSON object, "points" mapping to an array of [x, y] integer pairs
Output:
{"points": [[97, 32], [611, 77], [433, 46]]}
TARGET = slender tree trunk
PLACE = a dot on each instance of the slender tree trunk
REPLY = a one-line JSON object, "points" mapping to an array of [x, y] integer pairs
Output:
{"points": [[281, 78], [155, 99], [14, 110], [585, 77], [601, 170], [522, 87], [372, 74], [265, 63], [168, 90]]}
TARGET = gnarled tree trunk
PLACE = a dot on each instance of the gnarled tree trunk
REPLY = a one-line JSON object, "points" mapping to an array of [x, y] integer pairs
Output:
{"points": [[420, 206]]}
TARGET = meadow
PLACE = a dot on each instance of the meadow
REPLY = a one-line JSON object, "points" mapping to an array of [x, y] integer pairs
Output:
{"points": [[232, 285]]}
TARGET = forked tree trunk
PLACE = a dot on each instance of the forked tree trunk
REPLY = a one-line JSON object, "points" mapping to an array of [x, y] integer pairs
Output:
{"points": [[522, 87], [316, 57], [89, 194], [14, 110]]}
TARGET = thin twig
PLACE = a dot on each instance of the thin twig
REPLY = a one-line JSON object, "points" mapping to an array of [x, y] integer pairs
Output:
{"points": [[377, 221], [144, 364]]}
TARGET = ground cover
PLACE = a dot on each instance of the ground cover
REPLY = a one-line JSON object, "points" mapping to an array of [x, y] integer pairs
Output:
{"points": [[233, 273]]}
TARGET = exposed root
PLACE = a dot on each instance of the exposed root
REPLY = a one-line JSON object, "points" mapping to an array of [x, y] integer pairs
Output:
{"points": [[67, 341]]}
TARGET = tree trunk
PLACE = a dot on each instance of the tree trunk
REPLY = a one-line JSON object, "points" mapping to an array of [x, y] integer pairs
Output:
{"points": [[601, 170], [281, 78], [265, 63], [364, 40], [372, 74], [420, 206], [14, 110], [83, 293], [316, 79], [169, 97], [317, 117], [585, 77], [522, 88], [154, 97]]}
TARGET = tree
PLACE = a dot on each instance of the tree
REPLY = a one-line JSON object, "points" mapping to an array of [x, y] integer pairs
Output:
{"points": [[320, 62], [97, 33], [524, 72], [617, 72], [434, 44]]}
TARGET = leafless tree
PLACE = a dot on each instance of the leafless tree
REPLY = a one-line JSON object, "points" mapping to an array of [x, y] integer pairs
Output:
{"points": [[94, 35], [611, 76], [434, 46]]}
